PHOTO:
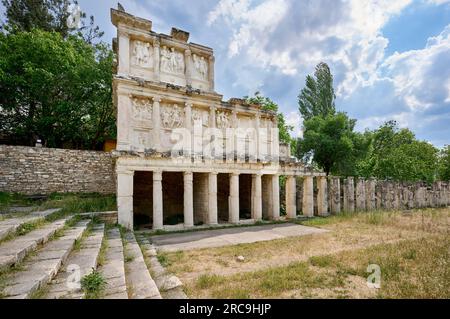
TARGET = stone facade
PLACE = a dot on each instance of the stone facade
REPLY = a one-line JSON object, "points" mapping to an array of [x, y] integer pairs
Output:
{"points": [[35, 170], [204, 160]]}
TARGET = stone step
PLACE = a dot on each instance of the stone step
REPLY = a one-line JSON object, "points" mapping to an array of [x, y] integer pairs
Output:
{"points": [[139, 282], [39, 269], [169, 285], [11, 225], [15, 250], [66, 284], [114, 268]]}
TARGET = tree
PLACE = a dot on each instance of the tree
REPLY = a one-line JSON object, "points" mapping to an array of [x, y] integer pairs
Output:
{"points": [[444, 164], [283, 129], [317, 98], [331, 143], [396, 154], [56, 89], [48, 15]]}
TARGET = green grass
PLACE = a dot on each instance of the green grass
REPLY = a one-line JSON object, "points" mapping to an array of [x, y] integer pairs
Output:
{"points": [[163, 259], [93, 285]]}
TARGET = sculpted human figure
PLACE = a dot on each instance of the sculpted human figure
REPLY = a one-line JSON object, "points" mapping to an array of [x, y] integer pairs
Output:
{"points": [[165, 59]]}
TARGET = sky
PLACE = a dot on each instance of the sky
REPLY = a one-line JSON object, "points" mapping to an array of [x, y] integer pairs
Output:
{"points": [[390, 58]]}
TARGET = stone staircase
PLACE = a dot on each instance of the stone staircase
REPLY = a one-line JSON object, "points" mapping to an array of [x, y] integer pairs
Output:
{"points": [[49, 262]]}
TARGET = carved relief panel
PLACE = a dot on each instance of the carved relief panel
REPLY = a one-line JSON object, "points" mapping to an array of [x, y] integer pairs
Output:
{"points": [[142, 54], [200, 118], [200, 67], [172, 61], [172, 116], [142, 108], [223, 120]]}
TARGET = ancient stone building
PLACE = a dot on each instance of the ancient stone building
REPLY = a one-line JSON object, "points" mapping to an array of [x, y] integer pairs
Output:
{"points": [[184, 156]]}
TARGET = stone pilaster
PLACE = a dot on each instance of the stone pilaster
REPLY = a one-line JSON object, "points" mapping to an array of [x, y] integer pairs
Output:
{"points": [[349, 195], [123, 120], [211, 73], [360, 195], [188, 61], [308, 196], [212, 199], [233, 202], [157, 200], [322, 200], [156, 123], [190, 142], [256, 197], [125, 198], [257, 138], [156, 60], [275, 197], [123, 68], [291, 201], [188, 200]]}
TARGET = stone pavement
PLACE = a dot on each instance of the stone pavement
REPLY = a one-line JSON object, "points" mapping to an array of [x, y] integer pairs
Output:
{"points": [[231, 236]]}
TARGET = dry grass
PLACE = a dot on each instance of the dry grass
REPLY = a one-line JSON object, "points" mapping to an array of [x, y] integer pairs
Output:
{"points": [[411, 249]]}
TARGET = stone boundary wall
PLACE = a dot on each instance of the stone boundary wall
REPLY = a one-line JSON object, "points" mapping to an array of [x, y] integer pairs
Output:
{"points": [[38, 170], [357, 194]]}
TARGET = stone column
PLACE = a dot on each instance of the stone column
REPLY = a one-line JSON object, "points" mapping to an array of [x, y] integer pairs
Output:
{"points": [[275, 197], [156, 123], [360, 195], [212, 198], [125, 198], [291, 200], [156, 55], [123, 68], [233, 202], [335, 193], [211, 73], [370, 194], [308, 196], [188, 200], [322, 200], [188, 61], [349, 195], [157, 200], [256, 197]]}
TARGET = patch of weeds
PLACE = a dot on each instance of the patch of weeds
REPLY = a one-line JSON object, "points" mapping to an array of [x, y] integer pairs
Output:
{"points": [[208, 281], [321, 261], [374, 218], [93, 284], [163, 259], [233, 293], [102, 254], [410, 254], [28, 227], [129, 258]]}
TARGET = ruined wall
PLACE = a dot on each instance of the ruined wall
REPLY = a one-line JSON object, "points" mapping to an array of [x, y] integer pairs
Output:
{"points": [[36, 170], [366, 195]]}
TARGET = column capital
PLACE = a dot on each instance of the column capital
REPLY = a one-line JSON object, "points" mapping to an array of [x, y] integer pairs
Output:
{"points": [[156, 42], [157, 175], [188, 174], [187, 52], [157, 99], [125, 172], [235, 173], [213, 173], [212, 58], [188, 104]]}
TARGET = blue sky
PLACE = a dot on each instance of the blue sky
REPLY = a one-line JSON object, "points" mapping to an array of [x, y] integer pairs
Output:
{"points": [[390, 58]]}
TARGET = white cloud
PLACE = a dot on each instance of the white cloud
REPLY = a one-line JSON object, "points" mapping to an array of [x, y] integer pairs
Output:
{"points": [[422, 77], [293, 119], [292, 36]]}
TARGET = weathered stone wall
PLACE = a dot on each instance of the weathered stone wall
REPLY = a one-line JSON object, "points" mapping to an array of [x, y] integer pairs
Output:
{"points": [[367, 195], [36, 170]]}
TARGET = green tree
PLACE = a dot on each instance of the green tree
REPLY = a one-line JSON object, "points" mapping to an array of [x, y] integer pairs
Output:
{"points": [[444, 164], [396, 154], [317, 98], [284, 130], [47, 15], [331, 143], [56, 89]]}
